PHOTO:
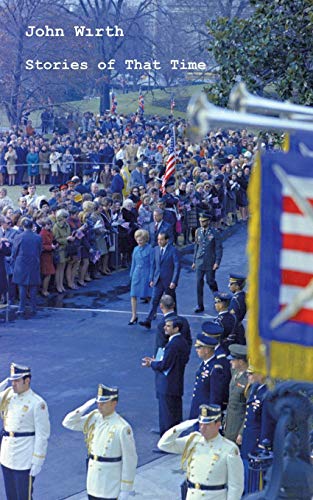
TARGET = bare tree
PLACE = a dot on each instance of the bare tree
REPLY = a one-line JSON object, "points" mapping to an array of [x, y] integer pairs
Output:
{"points": [[130, 16], [15, 16]]}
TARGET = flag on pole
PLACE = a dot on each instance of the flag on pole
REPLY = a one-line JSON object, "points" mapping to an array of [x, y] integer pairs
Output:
{"points": [[170, 162], [173, 104], [300, 143], [280, 248], [113, 103], [141, 104]]}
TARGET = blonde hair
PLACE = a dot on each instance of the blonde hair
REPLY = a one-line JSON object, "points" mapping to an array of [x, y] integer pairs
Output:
{"points": [[88, 206], [142, 233]]}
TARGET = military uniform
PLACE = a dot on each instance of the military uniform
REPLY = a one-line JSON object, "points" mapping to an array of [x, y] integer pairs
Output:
{"points": [[238, 307], [236, 408], [228, 322], [253, 419], [213, 375], [214, 467], [238, 392], [112, 457], [26, 430], [226, 319], [208, 251]]}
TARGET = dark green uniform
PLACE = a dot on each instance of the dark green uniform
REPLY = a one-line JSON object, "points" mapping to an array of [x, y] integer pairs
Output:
{"points": [[236, 407]]}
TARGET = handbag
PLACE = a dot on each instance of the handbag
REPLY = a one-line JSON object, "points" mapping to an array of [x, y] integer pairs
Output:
{"points": [[71, 250], [56, 257], [178, 227]]}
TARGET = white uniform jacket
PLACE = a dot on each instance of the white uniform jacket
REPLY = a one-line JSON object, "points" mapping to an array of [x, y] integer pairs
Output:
{"points": [[210, 463], [26, 412], [109, 437]]}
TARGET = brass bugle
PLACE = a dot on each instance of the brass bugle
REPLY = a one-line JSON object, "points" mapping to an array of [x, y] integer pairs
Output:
{"points": [[204, 117], [241, 100]]}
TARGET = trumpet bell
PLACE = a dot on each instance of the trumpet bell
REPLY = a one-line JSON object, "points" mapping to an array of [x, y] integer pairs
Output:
{"points": [[204, 117], [241, 100]]}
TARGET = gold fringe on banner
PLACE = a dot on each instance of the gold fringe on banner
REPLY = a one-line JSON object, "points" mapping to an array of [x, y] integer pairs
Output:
{"points": [[291, 361], [286, 142], [256, 351]]}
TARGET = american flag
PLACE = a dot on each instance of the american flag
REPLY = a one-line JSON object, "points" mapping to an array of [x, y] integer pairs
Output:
{"points": [[286, 249], [170, 162], [141, 103], [296, 255], [114, 103], [173, 104], [280, 249]]}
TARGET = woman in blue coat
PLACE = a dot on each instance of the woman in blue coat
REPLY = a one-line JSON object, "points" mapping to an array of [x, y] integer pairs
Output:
{"points": [[32, 160], [141, 271]]}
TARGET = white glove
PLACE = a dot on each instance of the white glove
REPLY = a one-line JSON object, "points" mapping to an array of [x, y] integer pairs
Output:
{"points": [[87, 405], [123, 495], [35, 469], [3, 384]]}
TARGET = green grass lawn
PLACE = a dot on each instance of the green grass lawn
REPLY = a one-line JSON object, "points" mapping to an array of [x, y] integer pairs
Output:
{"points": [[157, 102]]}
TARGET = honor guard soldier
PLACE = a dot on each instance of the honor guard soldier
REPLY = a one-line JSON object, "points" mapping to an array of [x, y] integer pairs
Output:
{"points": [[214, 467], [226, 319], [237, 304], [252, 428], [207, 256], [26, 430], [112, 457], [238, 389], [213, 375]]}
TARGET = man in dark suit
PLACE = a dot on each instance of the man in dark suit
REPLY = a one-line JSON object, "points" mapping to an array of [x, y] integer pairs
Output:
{"points": [[26, 252], [166, 269], [167, 306], [159, 226], [169, 375], [207, 257]]}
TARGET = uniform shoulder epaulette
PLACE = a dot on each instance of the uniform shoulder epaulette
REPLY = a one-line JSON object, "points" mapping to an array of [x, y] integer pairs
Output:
{"points": [[221, 356], [36, 396], [233, 448]]}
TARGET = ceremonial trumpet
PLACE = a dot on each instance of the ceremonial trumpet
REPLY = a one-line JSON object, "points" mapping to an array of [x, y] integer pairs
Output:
{"points": [[241, 100], [204, 117]]}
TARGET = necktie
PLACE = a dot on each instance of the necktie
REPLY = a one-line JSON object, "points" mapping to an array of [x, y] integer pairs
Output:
{"points": [[162, 253], [156, 226]]}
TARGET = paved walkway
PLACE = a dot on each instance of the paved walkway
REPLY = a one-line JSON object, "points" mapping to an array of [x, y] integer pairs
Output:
{"points": [[157, 480]]}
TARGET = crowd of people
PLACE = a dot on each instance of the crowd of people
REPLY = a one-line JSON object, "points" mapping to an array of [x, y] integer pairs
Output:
{"points": [[108, 206], [105, 181]]}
